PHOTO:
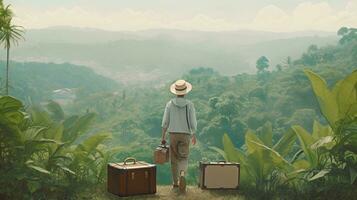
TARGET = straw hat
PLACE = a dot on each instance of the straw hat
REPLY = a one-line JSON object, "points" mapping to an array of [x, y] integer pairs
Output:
{"points": [[181, 87]]}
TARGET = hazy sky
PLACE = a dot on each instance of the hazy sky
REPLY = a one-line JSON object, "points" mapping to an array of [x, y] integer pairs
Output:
{"points": [[208, 15]]}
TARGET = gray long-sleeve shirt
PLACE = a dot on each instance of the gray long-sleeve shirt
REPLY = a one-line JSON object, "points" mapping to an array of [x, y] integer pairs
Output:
{"points": [[175, 119]]}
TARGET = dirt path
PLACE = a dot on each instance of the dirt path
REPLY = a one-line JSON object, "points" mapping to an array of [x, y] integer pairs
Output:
{"points": [[193, 192]]}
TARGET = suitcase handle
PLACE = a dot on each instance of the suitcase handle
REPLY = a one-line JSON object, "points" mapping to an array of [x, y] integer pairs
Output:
{"points": [[129, 159], [222, 161]]}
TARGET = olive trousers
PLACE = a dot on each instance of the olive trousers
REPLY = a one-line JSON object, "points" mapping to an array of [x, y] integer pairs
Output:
{"points": [[179, 151]]}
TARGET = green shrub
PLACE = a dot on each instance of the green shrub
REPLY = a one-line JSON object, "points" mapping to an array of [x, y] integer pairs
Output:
{"points": [[42, 155]]}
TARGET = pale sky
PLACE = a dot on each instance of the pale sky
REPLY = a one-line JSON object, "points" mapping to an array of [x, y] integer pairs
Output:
{"points": [[204, 15]]}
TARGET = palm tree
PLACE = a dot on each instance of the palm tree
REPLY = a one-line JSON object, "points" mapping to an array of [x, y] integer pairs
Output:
{"points": [[9, 34], [1, 23]]}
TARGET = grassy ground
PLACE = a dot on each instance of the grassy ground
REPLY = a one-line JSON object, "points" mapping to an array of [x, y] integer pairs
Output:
{"points": [[193, 192]]}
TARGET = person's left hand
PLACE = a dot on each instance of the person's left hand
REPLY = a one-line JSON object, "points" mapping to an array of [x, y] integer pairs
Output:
{"points": [[194, 140], [163, 142]]}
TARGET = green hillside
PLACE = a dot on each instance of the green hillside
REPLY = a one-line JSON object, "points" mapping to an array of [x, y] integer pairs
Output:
{"points": [[37, 81]]}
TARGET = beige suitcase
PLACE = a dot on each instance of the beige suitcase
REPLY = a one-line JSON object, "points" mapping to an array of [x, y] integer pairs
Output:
{"points": [[219, 175], [162, 154]]}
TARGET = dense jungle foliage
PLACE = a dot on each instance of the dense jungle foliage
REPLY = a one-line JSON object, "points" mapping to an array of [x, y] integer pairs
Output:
{"points": [[293, 128]]}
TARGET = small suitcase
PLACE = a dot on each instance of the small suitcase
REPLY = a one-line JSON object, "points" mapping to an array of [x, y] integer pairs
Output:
{"points": [[162, 154], [219, 175], [131, 178]]}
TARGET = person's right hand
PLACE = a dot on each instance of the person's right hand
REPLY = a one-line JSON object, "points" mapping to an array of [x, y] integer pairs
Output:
{"points": [[194, 139]]}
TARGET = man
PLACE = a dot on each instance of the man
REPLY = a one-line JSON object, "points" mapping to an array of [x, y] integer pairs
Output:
{"points": [[180, 121]]}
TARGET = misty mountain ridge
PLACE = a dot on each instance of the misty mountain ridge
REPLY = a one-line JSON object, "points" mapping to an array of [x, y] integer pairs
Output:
{"points": [[152, 55], [93, 35]]}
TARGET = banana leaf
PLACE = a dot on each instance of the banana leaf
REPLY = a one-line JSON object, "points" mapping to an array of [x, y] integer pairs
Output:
{"points": [[73, 129], [345, 93], [220, 152], [326, 142], [325, 98], [39, 169], [285, 144], [306, 140], [90, 144], [267, 134], [319, 130], [233, 154], [274, 156], [8, 103], [56, 111], [320, 174], [251, 136]]}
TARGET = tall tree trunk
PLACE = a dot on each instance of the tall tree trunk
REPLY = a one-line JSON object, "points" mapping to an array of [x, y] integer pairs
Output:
{"points": [[7, 70]]}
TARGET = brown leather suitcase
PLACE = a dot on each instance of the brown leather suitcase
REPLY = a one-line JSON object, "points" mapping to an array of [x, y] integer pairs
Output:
{"points": [[131, 178], [161, 154], [219, 175]]}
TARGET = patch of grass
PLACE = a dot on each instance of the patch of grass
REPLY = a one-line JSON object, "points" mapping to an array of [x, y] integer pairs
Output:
{"points": [[327, 192], [193, 193]]}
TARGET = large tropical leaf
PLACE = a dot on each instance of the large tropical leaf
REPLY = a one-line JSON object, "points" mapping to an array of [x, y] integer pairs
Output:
{"points": [[320, 130], [273, 156], [232, 154], [39, 169], [320, 174], [13, 117], [70, 122], [345, 93], [8, 103], [326, 142], [73, 129], [40, 144], [249, 137], [67, 169], [10, 111], [256, 167], [34, 132], [301, 164], [306, 140], [39, 116], [55, 110], [266, 134], [259, 162], [221, 152], [325, 97], [55, 132], [285, 144], [91, 143], [58, 150]]}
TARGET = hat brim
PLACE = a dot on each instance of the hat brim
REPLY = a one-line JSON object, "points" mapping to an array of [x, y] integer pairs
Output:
{"points": [[183, 92]]}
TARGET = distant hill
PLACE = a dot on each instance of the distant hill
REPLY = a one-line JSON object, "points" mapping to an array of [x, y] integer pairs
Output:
{"points": [[163, 54], [38, 81]]}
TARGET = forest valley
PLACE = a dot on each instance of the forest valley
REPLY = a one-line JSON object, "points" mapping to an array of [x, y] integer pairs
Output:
{"points": [[293, 128]]}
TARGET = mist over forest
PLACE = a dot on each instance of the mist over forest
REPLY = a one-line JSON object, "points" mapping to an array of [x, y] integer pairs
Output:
{"points": [[146, 56]]}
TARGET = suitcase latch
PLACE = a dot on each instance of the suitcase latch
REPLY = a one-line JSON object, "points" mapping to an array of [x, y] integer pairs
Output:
{"points": [[132, 175], [146, 175]]}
